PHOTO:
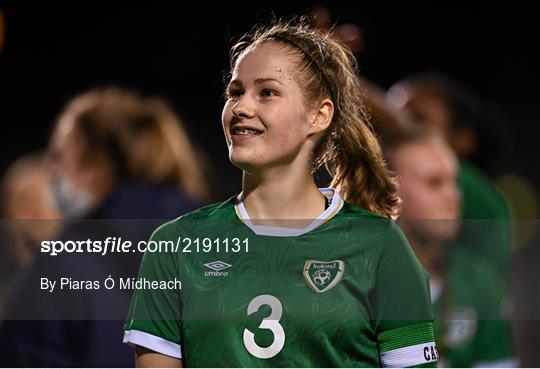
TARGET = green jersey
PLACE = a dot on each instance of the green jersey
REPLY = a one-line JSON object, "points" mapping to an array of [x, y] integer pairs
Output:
{"points": [[346, 291], [470, 329], [486, 228]]}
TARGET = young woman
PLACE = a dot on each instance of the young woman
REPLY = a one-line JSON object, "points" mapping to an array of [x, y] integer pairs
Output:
{"points": [[470, 328], [114, 155], [292, 275]]}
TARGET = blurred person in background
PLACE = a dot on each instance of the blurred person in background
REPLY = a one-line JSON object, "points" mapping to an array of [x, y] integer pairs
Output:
{"points": [[469, 328], [474, 132], [110, 146], [26, 195], [465, 290], [28, 213], [114, 155]]}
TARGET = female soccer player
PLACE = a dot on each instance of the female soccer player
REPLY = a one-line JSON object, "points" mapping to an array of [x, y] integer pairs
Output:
{"points": [[286, 274]]}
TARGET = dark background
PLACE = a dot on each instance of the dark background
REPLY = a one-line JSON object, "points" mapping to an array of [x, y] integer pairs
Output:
{"points": [[52, 52]]}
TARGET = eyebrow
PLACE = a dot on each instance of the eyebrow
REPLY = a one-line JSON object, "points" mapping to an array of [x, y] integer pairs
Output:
{"points": [[258, 81], [263, 80]]}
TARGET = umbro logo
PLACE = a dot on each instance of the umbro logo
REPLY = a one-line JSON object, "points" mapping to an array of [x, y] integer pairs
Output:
{"points": [[217, 269], [217, 265]]}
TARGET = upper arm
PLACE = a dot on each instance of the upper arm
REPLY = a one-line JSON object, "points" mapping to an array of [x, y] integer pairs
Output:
{"points": [[404, 321], [146, 358], [154, 318], [402, 289]]}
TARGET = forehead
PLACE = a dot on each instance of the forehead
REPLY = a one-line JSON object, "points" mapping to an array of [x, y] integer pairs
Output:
{"points": [[266, 60], [425, 158], [430, 105]]}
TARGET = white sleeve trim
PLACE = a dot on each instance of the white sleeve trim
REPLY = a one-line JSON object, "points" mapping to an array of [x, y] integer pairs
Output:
{"points": [[410, 356], [152, 342]]}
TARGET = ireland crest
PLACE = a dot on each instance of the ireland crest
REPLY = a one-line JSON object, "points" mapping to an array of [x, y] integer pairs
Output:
{"points": [[323, 275]]}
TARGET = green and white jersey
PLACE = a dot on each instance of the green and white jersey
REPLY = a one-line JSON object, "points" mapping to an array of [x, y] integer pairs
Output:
{"points": [[346, 291], [469, 327]]}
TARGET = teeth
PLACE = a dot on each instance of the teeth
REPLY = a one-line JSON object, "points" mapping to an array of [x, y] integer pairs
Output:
{"points": [[245, 132]]}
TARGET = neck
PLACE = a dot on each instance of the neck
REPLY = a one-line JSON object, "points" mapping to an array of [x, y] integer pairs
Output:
{"points": [[281, 195], [429, 254]]}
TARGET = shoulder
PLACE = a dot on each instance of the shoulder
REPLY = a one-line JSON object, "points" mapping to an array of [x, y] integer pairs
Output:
{"points": [[476, 283], [216, 210], [480, 282], [464, 263], [468, 260], [382, 236], [362, 220], [354, 211], [480, 191]]}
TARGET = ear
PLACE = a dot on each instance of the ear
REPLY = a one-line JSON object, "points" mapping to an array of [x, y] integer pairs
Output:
{"points": [[323, 114]]}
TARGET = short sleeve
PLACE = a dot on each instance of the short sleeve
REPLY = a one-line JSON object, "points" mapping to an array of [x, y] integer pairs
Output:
{"points": [[154, 316], [404, 320]]}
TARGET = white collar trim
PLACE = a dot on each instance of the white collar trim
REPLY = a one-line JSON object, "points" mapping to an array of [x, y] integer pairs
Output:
{"points": [[336, 204]]}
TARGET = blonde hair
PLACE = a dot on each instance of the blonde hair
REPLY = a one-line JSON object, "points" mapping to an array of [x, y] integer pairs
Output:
{"points": [[142, 137], [349, 149]]}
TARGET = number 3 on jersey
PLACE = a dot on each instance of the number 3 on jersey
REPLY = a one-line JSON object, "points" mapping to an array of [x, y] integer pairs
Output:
{"points": [[271, 322]]}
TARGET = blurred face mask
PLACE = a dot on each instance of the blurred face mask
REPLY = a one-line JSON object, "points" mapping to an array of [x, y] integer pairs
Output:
{"points": [[70, 202]]}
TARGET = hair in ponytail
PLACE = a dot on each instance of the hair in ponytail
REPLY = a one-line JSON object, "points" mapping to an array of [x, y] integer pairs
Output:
{"points": [[349, 149]]}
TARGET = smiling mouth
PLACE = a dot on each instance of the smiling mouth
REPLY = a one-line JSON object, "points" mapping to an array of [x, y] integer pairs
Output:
{"points": [[245, 132]]}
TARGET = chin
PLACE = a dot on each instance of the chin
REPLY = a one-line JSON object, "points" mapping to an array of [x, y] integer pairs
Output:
{"points": [[242, 161], [443, 230], [249, 158]]}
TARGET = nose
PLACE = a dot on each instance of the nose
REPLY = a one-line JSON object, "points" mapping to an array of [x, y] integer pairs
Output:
{"points": [[453, 194], [242, 108]]}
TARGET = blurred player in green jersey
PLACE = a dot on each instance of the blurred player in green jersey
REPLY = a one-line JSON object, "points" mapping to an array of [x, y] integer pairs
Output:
{"points": [[466, 290], [285, 273], [475, 131]]}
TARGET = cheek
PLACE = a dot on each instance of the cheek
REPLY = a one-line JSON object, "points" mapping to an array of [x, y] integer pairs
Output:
{"points": [[286, 142], [417, 202], [69, 165], [73, 156], [291, 128], [226, 117], [291, 136]]}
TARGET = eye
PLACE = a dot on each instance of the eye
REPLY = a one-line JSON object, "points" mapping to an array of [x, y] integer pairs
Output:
{"points": [[435, 182], [233, 93], [266, 92]]}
